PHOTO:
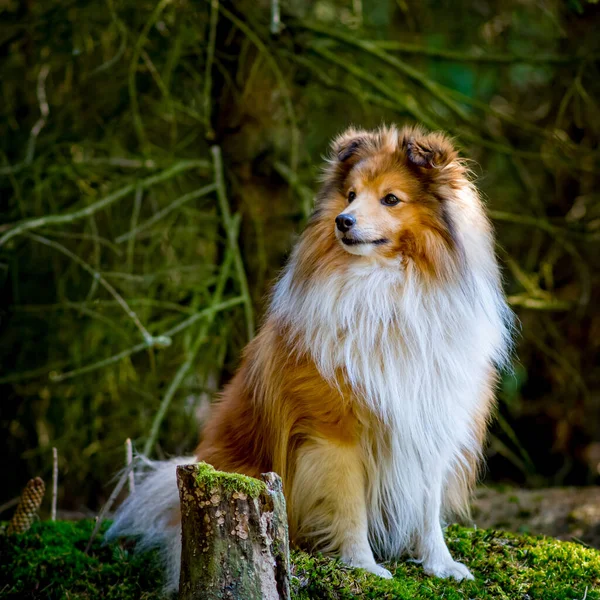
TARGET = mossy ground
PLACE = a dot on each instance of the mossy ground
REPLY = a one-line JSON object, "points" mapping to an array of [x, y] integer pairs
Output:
{"points": [[505, 565], [49, 562]]}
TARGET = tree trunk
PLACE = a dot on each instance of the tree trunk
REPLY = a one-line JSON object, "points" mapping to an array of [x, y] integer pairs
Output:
{"points": [[234, 536]]}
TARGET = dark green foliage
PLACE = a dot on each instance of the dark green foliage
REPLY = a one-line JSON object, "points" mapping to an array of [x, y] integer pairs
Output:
{"points": [[135, 88], [48, 562]]}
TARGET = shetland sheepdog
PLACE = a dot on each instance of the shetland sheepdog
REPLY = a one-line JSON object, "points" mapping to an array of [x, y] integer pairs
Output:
{"points": [[371, 382]]}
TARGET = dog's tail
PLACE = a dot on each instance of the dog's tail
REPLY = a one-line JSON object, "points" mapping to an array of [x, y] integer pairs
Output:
{"points": [[152, 515]]}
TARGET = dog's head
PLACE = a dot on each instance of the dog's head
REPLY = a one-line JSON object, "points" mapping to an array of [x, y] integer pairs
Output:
{"points": [[388, 193]]}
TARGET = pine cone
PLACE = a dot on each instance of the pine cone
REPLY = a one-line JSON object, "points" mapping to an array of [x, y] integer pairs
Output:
{"points": [[29, 504]]}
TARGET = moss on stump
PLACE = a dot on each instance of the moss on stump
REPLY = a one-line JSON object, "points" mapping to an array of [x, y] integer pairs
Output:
{"points": [[48, 562]]}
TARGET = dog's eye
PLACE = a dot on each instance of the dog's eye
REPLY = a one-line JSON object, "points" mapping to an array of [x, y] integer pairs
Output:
{"points": [[390, 200], [351, 196]]}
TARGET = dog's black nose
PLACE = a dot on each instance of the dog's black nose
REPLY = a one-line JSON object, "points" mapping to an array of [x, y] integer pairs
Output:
{"points": [[345, 222]]}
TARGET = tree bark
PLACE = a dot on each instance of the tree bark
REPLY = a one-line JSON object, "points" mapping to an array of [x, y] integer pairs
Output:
{"points": [[234, 536]]}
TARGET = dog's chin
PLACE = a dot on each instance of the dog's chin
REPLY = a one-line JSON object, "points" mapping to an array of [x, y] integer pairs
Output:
{"points": [[358, 247]]}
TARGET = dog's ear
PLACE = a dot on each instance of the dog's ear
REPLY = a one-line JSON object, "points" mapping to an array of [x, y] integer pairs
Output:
{"points": [[351, 146], [429, 151], [349, 149]]}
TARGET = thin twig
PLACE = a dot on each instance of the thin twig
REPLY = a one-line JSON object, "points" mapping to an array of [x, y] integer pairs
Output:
{"points": [[439, 91], [355, 90], [97, 256], [12, 169], [32, 308], [33, 373], [121, 50], [539, 222], [499, 446], [539, 303], [86, 311], [44, 113], [556, 354], [402, 98], [115, 358], [128, 461], [84, 236], [512, 436], [483, 57], [433, 87], [37, 222], [466, 99], [306, 194], [149, 339], [560, 237], [232, 239], [169, 114], [158, 80], [108, 504], [135, 215], [54, 482], [203, 191], [287, 98], [210, 57], [120, 161], [193, 351], [137, 50], [9, 504], [275, 18]]}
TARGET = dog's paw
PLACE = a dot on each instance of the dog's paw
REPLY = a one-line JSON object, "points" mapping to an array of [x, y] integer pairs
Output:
{"points": [[449, 568], [372, 567], [378, 570]]}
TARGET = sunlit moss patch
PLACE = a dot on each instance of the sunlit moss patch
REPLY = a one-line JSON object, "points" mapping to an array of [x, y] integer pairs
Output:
{"points": [[49, 562]]}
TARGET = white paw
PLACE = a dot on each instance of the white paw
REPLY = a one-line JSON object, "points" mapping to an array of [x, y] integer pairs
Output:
{"points": [[378, 570], [372, 567], [448, 568]]}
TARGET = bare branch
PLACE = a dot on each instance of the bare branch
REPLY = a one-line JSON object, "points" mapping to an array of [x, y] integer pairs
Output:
{"points": [[37, 222], [54, 482], [44, 113]]}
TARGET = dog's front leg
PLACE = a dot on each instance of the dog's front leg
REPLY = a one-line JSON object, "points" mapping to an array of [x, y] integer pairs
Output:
{"points": [[432, 551], [328, 502]]}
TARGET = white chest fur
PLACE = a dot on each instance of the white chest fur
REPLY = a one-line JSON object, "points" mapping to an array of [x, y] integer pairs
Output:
{"points": [[399, 344], [417, 357]]}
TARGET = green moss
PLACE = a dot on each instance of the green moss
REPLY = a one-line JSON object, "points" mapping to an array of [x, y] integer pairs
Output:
{"points": [[208, 476], [49, 562], [506, 566]]}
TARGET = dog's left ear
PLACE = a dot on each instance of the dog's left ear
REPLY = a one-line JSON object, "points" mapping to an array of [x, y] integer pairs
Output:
{"points": [[351, 146], [350, 149], [347, 149], [429, 151]]}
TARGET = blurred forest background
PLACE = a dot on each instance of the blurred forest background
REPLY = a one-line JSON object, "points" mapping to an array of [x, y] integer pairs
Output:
{"points": [[158, 158]]}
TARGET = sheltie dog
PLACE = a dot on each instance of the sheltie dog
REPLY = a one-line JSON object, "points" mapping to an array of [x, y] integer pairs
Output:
{"points": [[370, 384]]}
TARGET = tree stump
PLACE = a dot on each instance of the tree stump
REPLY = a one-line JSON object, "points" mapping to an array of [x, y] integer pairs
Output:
{"points": [[234, 536]]}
